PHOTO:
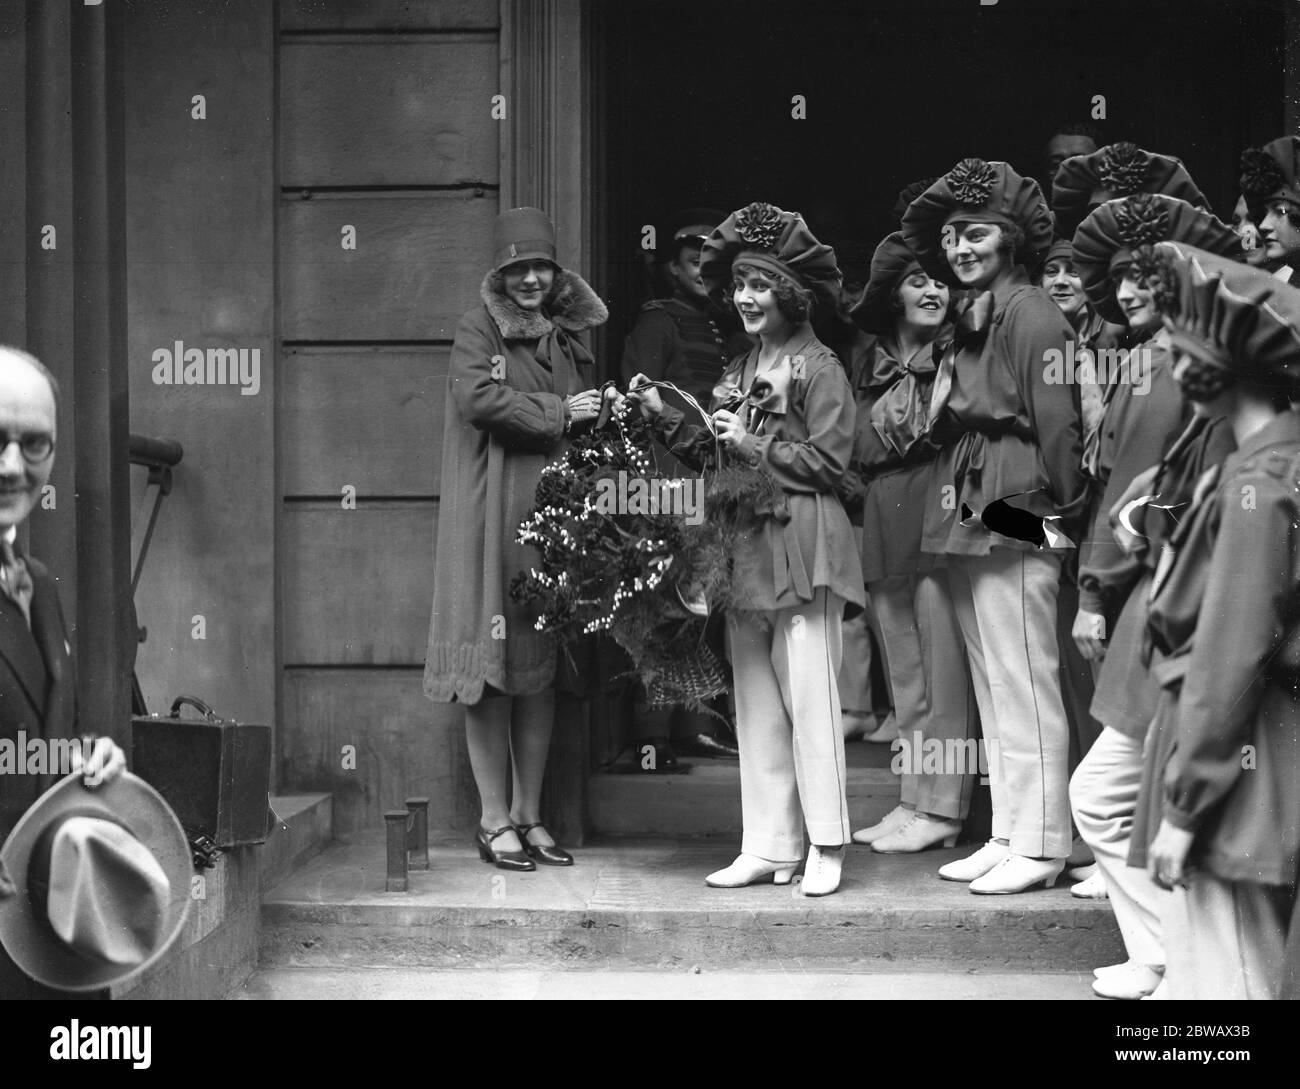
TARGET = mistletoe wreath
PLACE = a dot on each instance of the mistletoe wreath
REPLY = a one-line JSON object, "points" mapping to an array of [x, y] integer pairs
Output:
{"points": [[629, 553]]}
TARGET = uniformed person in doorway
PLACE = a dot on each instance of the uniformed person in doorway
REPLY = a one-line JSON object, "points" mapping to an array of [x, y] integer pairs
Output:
{"points": [[686, 340]]}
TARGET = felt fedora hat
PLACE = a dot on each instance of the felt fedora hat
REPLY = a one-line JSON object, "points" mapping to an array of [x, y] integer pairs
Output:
{"points": [[101, 884]]}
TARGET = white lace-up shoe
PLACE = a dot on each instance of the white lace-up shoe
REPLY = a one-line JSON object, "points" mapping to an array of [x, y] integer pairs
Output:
{"points": [[976, 865]]}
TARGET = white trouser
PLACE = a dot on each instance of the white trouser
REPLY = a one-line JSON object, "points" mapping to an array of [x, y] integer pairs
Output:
{"points": [[1103, 796], [1006, 605], [926, 659], [792, 771], [1226, 939]]}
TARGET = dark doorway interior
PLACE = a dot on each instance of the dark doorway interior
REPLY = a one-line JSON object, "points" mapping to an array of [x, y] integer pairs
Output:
{"points": [[697, 102]]}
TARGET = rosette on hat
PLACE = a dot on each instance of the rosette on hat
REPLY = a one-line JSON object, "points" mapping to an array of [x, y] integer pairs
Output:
{"points": [[1117, 170], [975, 191], [1232, 316], [1271, 172], [889, 263], [780, 242], [1104, 243]]}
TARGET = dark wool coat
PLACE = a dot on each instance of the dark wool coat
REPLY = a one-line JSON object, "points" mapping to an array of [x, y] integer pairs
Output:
{"points": [[504, 422]]}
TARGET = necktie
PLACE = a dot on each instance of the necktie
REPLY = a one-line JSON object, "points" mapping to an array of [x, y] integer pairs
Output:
{"points": [[17, 580]]}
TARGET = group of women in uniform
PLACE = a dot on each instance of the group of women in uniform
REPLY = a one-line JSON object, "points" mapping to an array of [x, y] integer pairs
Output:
{"points": [[1067, 429]]}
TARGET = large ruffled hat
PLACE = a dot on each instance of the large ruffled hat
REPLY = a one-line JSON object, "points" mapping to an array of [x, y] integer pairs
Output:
{"points": [[893, 257], [908, 194], [1117, 170], [1232, 316], [1105, 241], [762, 235], [975, 191], [1271, 172]]}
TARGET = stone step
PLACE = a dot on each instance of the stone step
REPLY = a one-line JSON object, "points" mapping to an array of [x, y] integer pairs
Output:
{"points": [[634, 904], [305, 828], [705, 802], [325, 984], [218, 947]]}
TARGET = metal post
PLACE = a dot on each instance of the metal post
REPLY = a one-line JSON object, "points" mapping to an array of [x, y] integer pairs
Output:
{"points": [[418, 839], [397, 880]]}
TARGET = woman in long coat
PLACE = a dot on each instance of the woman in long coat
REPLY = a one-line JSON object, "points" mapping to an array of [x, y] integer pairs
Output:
{"points": [[786, 409], [519, 381]]}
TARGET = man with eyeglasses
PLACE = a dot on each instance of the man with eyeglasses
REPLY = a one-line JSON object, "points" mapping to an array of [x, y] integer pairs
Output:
{"points": [[37, 684]]}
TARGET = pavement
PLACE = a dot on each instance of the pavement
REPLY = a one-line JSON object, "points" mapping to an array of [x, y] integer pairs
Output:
{"points": [[630, 905], [682, 985]]}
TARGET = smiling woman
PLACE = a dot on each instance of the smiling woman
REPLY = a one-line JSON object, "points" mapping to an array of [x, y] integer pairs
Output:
{"points": [[783, 407], [1010, 440], [520, 382]]}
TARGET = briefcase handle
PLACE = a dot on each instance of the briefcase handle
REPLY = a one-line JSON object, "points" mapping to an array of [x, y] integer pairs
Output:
{"points": [[197, 704]]}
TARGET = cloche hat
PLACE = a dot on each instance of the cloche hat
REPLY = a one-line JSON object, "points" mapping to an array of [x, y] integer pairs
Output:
{"points": [[523, 234]]}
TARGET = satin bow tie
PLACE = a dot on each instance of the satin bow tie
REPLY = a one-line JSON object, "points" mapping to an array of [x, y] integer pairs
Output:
{"points": [[768, 393], [901, 415]]}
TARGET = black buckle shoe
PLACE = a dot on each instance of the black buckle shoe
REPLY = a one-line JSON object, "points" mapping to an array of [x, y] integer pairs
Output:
{"points": [[503, 860], [548, 856]]}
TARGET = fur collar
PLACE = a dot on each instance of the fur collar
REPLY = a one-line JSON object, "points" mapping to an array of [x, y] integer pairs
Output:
{"points": [[572, 306]]}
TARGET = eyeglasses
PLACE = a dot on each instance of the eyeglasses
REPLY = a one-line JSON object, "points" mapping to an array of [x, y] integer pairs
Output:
{"points": [[35, 446]]}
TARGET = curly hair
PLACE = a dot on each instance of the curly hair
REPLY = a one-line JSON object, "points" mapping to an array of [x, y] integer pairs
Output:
{"points": [[794, 303], [1202, 381]]}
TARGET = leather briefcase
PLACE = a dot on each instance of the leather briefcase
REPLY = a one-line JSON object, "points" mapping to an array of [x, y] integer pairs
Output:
{"points": [[215, 773]]}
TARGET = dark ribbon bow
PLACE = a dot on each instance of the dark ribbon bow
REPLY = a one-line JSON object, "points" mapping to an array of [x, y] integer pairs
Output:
{"points": [[901, 415], [972, 329], [768, 394]]}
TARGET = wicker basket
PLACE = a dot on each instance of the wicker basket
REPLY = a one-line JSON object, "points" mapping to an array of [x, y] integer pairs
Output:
{"points": [[691, 678]]}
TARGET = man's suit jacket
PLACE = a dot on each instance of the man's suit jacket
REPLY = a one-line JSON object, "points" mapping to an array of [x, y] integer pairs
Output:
{"points": [[37, 700], [37, 687]]}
